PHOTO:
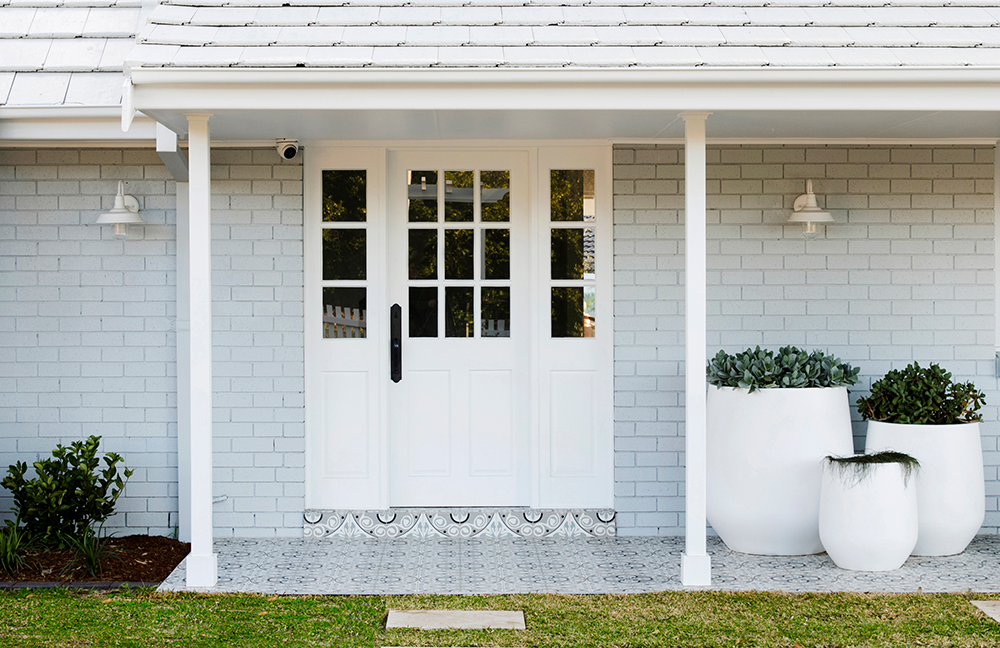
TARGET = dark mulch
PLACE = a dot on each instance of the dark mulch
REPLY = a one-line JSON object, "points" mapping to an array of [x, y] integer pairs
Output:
{"points": [[132, 559]]}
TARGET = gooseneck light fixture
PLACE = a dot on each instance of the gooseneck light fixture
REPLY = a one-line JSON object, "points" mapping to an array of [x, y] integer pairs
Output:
{"points": [[125, 212], [806, 211]]}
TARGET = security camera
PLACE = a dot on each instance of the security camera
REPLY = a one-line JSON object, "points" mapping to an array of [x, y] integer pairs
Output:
{"points": [[287, 148]]}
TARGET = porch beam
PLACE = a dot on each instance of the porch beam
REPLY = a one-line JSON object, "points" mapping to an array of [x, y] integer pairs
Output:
{"points": [[695, 562], [170, 153], [202, 565]]}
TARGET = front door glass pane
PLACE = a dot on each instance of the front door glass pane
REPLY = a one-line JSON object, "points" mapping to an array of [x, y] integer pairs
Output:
{"points": [[459, 197], [423, 312], [568, 312], [345, 312], [459, 311], [422, 197], [344, 196], [495, 196], [572, 195], [423, 254], [567, 254], [344, 254], [496, 312], [496, 254], [458, 254]]}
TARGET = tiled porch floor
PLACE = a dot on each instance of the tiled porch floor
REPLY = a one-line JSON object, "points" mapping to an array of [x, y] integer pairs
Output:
{"points": [[560, 565]]}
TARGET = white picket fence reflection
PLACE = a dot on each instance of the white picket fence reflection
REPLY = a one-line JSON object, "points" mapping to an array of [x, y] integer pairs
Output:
{"points": [[341, 322], [495, 328]]}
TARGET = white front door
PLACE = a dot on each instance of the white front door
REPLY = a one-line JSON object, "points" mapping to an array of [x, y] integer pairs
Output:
{"points": [[458, 268], [500, 262]]}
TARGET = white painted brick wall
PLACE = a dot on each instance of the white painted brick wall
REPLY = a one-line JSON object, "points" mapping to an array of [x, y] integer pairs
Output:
{"points": [[87, 340], [906, 273], [86, 322]]}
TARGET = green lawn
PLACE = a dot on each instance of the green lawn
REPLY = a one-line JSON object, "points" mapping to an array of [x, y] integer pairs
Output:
{"points": [[143, 618]]}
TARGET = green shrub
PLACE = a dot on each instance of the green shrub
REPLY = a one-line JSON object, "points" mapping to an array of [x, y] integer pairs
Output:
{"points": [[789, 368], [68, 494], [922, 396]]}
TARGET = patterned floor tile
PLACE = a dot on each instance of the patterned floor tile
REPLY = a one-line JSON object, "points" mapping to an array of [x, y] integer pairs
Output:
{"points": [[559, 565]]}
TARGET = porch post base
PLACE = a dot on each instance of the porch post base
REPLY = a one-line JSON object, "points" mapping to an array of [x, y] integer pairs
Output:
{"points": [[202, 571], [696, 571]]}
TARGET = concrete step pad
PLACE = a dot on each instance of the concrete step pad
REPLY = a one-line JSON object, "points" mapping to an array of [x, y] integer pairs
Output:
{"points": [[989, 608], [456, 619]]}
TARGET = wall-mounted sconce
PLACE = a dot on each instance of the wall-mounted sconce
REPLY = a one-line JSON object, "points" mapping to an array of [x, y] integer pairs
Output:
{"points": [[125, 211], [806, 211]]}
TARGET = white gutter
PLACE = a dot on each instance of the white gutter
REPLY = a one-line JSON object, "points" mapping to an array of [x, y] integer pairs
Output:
{"points": [[603, 76], [574, 89]]}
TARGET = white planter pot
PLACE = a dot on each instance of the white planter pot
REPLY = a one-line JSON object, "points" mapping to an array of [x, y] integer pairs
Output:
{"points": [[765, 465], [868, 524], [951, 490]]}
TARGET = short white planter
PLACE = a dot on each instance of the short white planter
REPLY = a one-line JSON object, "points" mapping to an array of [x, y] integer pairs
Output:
{"points": [[765, 464], [951, 490], [869, 522]]}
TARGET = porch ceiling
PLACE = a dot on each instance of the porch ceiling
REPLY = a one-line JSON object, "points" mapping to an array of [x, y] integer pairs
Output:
{"points": [[431, 125]]}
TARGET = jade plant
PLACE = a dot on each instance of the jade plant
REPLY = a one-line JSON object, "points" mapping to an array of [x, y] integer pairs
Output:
{"points": [[922, 396], [790, 367]]}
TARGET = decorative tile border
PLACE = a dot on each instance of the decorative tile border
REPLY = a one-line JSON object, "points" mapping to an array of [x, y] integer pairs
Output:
{"points": [[460, 523]]}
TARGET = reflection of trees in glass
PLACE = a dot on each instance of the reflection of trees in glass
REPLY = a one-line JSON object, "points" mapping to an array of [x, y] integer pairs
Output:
{"points": [[567, 312], [344, 254], [458, 254], [423, 312], [344, 197], [496, 308], [567, 254], [423, 254], [499, 211], [566, 199], [458, 211], [496, 259], [423, 211], [458, 313]]}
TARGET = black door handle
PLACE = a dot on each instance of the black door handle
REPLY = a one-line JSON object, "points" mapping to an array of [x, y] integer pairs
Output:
{"points": [[396, 343]]}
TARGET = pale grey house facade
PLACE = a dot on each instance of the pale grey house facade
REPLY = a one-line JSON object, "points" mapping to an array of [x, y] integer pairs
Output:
{"points": [[890, 110]]}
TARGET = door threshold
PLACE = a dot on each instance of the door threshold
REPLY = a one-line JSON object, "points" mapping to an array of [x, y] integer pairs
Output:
{"points": [[459, 522]]}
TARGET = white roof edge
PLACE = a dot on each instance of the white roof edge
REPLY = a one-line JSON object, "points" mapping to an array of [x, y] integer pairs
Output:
{"points": [[60, 112], [613, 76]]}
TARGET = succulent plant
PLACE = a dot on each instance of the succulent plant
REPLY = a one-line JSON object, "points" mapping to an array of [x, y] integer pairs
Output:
{"points": [[790, 367]]}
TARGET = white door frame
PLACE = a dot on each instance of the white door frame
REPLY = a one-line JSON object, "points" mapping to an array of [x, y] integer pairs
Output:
{"points": [[368, 488]]}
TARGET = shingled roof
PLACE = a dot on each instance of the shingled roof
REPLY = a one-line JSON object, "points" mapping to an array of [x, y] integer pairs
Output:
{"points": [[72, 52], [65, 52], [569, 33]]}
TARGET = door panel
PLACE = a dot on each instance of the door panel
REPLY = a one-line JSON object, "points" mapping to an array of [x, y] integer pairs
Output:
{"points": [[344, 327], [458, 267]]}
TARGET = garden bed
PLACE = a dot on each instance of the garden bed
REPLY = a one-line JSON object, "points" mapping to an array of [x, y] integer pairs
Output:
{"points": [[131, 559]]}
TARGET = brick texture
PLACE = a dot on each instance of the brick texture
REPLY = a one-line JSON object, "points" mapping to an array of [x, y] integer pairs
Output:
{"points": [[905, 273], [87, 342]]}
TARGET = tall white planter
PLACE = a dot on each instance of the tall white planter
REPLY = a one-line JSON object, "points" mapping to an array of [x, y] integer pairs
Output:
{"points": [[868, 524], [765, 464], [951, 490]]}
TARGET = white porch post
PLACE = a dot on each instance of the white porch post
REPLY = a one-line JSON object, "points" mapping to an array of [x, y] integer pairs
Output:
{"points": [[168, 148], [695, 563], [202, 568]]}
